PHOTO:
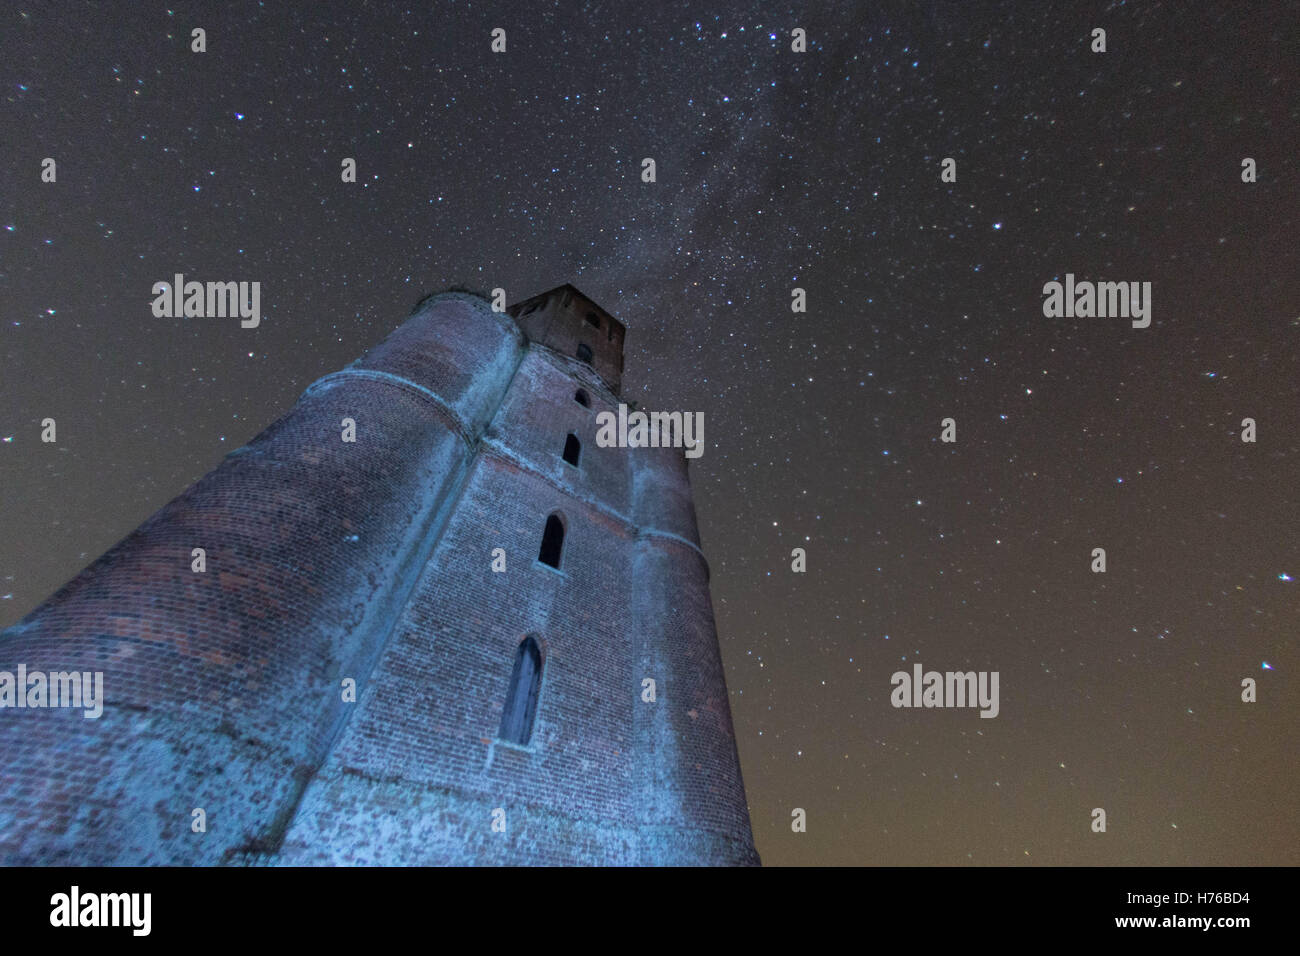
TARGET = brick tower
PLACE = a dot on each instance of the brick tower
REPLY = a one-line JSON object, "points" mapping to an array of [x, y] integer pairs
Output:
{"points": [[495, 586]]}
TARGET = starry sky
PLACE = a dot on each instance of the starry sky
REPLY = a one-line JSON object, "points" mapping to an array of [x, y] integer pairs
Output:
{"points": [[775, 170]]}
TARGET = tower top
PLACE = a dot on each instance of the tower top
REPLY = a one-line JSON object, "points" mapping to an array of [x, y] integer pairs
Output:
{"points": [[566, 320]]}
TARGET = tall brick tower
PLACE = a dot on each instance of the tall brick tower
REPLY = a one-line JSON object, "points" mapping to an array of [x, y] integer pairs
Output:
{"points": [[497, 588]]}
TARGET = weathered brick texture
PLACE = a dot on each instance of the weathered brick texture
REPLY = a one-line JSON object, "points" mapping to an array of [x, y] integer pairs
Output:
{"points": [[372, 560]]}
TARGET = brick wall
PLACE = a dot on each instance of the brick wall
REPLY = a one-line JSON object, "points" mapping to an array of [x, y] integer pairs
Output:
{"points": [[606, 778], [372, 560], [222, 688], [558, 319]]}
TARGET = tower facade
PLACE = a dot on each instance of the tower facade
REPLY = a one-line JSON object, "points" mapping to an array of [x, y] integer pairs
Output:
{"points": [[470, 635]]}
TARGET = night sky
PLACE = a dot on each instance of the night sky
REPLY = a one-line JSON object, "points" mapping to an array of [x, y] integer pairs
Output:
{"points": [[775, 170]]}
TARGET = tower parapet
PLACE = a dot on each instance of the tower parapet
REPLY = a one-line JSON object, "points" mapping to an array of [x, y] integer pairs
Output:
{"points": [[567, 321]]}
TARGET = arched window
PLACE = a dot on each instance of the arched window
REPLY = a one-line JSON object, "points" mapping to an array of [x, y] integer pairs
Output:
{"points": [[572, 449], [521, 698], [552, 542], [584, 354], [582, 398], [593, 319]]}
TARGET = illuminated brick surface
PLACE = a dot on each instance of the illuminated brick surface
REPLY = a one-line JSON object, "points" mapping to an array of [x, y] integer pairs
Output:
{"points": [[372, 560]]}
